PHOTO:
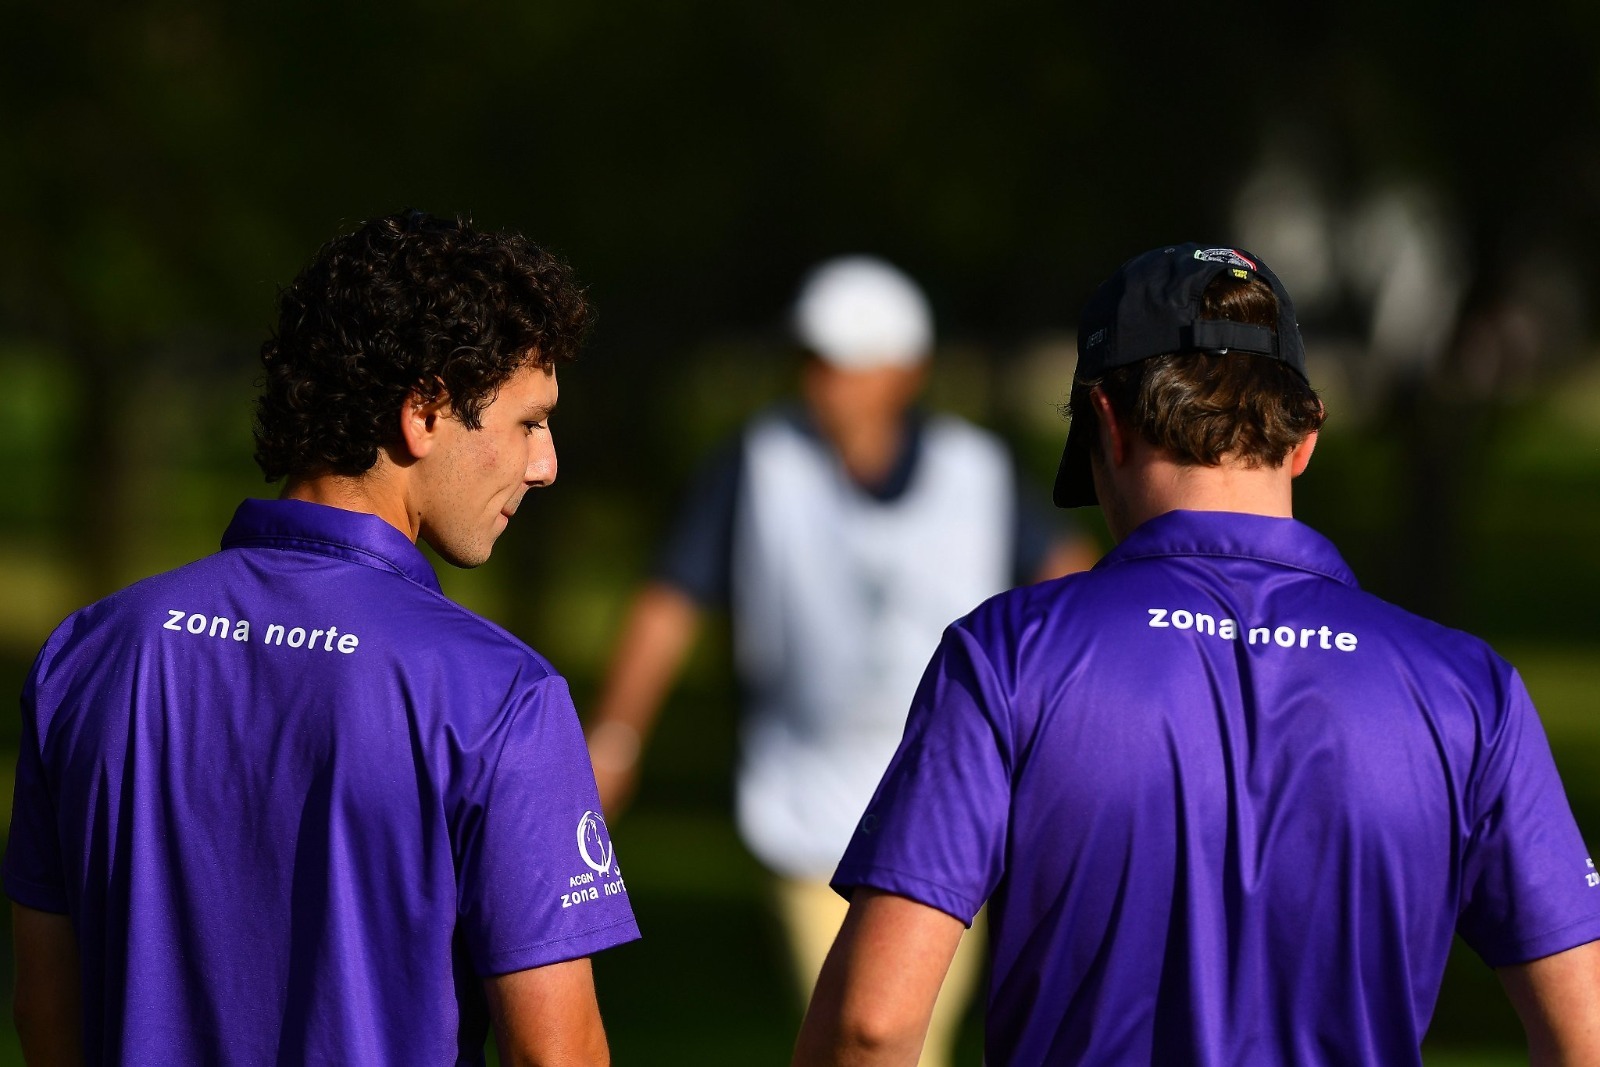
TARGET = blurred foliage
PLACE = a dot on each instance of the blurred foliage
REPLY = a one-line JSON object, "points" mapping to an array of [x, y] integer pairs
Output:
{"points": [[165, 164]]}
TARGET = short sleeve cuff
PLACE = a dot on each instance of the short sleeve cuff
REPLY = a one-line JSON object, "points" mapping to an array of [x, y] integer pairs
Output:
{"points": [[560, 950], [35, 895], [1547, 944], [954, 904]]}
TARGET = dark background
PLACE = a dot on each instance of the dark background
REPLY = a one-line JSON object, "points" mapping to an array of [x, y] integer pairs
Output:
{"points": [[1423, 175]]}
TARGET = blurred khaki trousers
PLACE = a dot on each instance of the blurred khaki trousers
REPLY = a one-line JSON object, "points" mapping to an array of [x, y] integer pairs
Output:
{"points": [[812, 913]]}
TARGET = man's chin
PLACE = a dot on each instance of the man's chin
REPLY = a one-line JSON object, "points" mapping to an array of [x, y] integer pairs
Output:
{"points": [[462, 557]]}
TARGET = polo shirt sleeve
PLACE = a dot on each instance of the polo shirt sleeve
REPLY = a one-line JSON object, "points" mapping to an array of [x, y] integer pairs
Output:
{"points": [[936, 828], [1529, 886], [34, 876], [537, 879]]}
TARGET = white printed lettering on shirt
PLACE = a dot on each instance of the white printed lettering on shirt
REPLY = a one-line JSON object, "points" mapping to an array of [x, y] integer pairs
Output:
{"points": [[223, 627], [1226, 629]]}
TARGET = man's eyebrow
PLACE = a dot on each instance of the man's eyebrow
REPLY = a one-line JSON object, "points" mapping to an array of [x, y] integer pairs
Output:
{"points": [[540, 412]]}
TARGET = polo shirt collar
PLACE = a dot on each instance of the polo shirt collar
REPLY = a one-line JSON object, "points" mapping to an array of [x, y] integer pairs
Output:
{"points": [[353, 536], [1229, 534]]}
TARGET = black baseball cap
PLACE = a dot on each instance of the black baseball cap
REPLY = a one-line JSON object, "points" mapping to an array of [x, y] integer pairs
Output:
{"points": [[1151, 307]]}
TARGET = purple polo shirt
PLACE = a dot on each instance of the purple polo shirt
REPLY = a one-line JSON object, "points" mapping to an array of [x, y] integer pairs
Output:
{"points": [[297, 803], [1225, 807]]}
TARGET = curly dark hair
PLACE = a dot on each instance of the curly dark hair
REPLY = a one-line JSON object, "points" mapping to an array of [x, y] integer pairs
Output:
{"points": [[407, 304]]}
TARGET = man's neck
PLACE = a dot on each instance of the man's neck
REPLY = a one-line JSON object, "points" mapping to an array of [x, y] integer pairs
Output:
{"points": [[869, 453], [1170, 486], [1152, 484], [373, 493]]}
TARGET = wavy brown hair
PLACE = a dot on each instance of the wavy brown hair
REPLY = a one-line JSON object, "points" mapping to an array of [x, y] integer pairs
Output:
{"points": [[407, 304], [1204, 407]]}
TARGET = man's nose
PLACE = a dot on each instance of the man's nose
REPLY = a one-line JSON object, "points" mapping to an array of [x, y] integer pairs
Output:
{"points": [[542, 462]]}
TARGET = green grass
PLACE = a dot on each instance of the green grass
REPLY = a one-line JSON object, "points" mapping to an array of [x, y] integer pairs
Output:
{"points": [[708, 984], [1480, 1058]]}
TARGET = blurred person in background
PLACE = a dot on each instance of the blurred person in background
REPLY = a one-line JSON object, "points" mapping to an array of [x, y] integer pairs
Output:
{"points": [[1224, 807], [843, 533], [288, 804]]}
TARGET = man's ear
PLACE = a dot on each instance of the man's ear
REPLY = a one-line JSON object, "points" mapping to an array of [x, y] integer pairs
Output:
{"points": [[1300, 455], [419, 423], [1113, 435]]}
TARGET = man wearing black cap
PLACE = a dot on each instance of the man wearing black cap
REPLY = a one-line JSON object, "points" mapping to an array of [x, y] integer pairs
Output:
{"points": [[1225, 807]]}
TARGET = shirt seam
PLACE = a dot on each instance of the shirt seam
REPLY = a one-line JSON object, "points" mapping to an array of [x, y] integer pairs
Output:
{"points": [[300, 543], [14, 881], [1343, 579], [843, 877], [549, 942], [1521, 945], [305, 544]]}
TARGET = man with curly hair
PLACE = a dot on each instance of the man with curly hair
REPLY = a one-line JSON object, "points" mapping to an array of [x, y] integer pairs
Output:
{"points": [[288, 804], [1225, 807]]}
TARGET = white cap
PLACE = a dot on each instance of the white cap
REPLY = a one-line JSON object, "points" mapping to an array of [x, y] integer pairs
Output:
{"points": [[858, 312]]}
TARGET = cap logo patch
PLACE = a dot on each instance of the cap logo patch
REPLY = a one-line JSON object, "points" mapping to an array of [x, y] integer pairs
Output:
{"points": [[1224, 255]]}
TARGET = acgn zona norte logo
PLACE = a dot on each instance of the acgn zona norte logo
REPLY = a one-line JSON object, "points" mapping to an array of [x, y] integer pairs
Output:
{"points": [[594, 842]]}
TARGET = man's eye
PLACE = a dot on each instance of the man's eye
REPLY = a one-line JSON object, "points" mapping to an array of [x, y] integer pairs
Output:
{"points": [[532, 426]]}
